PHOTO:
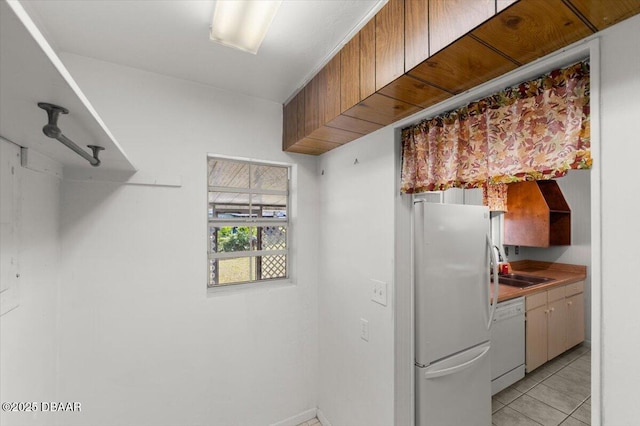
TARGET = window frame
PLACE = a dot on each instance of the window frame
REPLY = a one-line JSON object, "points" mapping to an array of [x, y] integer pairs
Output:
{"points": [[251, 222]]}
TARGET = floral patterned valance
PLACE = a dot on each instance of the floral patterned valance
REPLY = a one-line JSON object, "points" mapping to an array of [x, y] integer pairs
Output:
{"points": [[533, 131]]}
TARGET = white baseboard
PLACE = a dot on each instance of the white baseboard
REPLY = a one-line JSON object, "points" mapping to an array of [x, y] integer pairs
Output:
{"points": [[322, 418], [298, 418]]}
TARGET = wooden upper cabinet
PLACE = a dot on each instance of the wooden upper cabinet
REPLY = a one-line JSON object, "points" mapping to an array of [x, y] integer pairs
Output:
{"points": [[368, 59], [293, 117], [300, 115], [312, 105], [604, 13], [381, 110], [414, 53], [352, 124], [290, 119], [528, 30], [451, 19], [462, 66], [312, 146], [414, 91], [322, 97], [350, 74], [329, 91], [416, 32], [389, 43]]}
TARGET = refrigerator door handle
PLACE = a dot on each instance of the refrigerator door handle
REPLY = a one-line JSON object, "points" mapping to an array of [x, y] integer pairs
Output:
{"points": [[496, 281], [457, 368]]}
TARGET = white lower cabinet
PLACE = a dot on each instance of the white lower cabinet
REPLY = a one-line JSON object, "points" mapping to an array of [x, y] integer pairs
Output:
{"points": [[554, 323]]}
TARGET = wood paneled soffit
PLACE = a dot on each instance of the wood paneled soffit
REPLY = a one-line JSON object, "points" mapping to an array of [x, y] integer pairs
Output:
{"points": [[604, 13], [451, 19], [416, 53], [381, 109], [354, 124], [414, 91], [463, 65], [529, 30]]}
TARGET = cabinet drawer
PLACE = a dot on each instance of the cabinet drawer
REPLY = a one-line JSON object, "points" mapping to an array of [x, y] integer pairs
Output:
{"points": [[574, 288], [536, 300], [556, 294]]}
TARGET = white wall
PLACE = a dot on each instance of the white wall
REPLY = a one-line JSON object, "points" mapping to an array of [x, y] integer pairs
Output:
{"points": [[28, 333], [356, 245], [620, 108], [140, 340]]}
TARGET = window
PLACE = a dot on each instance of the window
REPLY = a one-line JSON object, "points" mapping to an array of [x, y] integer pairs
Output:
{"points": [[248, 221]]}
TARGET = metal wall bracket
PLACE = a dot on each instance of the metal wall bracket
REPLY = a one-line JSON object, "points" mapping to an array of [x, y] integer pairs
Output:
{"points": [[52, 130]]}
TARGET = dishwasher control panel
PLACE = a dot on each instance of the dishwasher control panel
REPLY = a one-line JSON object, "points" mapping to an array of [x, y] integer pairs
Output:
{"points": [[504, 312]]}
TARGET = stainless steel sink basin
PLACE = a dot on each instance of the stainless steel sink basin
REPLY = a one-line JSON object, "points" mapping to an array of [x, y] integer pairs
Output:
{"points": [[521, 280]]}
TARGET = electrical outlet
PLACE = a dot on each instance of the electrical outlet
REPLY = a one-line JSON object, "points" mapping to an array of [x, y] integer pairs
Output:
{"points": [[379, 294], [364, 329]]}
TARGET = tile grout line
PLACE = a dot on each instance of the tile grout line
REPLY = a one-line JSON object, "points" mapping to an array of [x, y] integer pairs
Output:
{"points": [[522, 414], [578, 407], [542, 402], [566, 416]]}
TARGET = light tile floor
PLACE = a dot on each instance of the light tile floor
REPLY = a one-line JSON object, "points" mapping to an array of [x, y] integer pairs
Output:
{"points": [[556, 393]]}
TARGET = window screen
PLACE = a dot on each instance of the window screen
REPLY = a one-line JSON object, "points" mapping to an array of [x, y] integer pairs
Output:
{"points": [[248, 211]]}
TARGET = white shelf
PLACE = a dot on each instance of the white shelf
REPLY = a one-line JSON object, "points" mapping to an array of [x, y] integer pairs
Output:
{"points": [[31, 72]]}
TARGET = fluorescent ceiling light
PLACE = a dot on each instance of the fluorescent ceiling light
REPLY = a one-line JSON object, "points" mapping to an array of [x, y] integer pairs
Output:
{"points": [[242, 24]]}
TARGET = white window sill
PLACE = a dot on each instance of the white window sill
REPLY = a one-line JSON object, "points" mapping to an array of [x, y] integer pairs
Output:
{"points": [[249, 287]]}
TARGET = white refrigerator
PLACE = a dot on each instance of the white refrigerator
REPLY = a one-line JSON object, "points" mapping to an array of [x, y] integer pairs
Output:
{"points": [[453, 314]]}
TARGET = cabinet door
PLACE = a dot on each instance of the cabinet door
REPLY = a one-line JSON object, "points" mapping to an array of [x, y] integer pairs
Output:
{"points": [[300, 116], [556, 328], [368, 60], [575, 319], [450, 19], [290, 128], [350, 74], [416, 32], [312, 105], [536, 332], [329, 91], [389, 43]]}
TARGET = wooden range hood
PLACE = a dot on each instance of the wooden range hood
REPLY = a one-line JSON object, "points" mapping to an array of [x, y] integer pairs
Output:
{"points": [[538, 215], [416, 53]]}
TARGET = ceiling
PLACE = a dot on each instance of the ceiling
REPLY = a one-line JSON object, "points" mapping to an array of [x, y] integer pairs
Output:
{"points": [[172, 38]]}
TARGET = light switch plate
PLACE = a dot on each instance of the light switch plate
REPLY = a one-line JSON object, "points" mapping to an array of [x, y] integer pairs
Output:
{"points": [[364, 329], [379, 292]]}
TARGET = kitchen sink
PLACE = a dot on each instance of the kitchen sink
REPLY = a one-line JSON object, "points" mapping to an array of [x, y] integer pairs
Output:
{"points": [[521, 280]]}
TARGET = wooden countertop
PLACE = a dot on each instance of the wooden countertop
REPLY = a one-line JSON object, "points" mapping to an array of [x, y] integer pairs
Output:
{"points": [[562, 273]]}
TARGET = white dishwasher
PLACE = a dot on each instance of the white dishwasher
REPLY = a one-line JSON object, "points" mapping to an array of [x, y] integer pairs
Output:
{"points": [[507, 344]]}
